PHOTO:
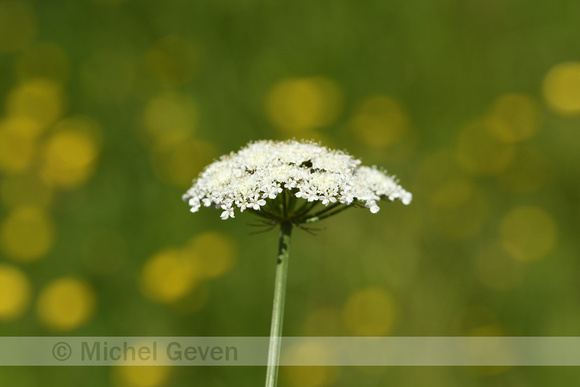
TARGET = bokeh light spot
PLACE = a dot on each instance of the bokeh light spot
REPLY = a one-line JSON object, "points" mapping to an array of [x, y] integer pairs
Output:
{"points": [[215, 251], [66, 304], [14, 292], [370, 312], [17, 25], [496, 347], [38, 99], [172, 61], [139, 376], [297, 105], [516, 117], [26, 234], [528, 233], [307, 352], [108, 76], [17, 144], [181, 164], [24, 190], [310, 376], [380, 121], [479, 152], [526, 173], [169, 119], [458, 209], [71, 151], [562, 88], [43, 61], [193, 301], [168, 276]]}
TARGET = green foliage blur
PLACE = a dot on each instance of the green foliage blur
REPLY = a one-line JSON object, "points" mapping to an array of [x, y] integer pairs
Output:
{"points": [[109, 109]]}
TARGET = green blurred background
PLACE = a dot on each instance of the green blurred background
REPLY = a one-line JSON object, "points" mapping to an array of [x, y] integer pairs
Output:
{"points": [[109, 108]]}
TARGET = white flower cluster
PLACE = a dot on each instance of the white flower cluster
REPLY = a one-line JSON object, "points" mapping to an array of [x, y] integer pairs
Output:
{"points": [[263, 169]]}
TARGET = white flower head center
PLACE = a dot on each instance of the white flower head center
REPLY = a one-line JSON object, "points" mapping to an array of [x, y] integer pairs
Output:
{"points": [[264, 170]]}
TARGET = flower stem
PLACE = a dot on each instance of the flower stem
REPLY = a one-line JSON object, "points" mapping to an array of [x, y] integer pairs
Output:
{"points": [[323, 215], [284, 208], [278, 307], [325, 210]]}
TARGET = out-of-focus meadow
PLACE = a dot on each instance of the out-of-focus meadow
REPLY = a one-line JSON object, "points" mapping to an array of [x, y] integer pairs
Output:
{"points": [[109, 108]]}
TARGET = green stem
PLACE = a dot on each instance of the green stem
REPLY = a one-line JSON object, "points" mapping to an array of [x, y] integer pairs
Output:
{"points": [[263, 213], [321, 216], [326, 209], [278, 308], [284, 208], [307, 207]]}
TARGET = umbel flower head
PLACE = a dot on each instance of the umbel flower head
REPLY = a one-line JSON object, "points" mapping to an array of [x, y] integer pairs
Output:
{"points": [[299, 182]]}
